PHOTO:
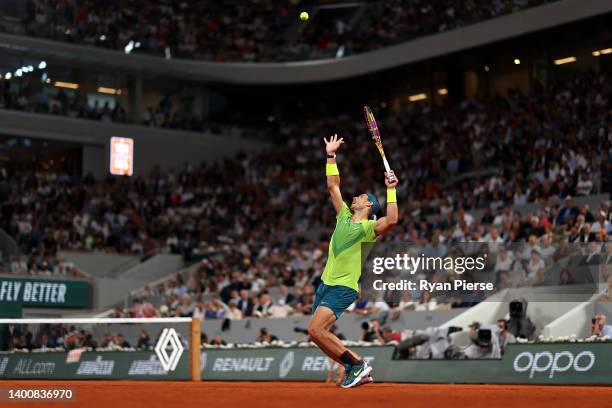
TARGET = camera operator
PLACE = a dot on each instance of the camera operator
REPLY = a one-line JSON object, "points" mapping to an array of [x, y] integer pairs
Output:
{"points": [[371, 331], [265, 337], [485, 342], [388, 335], [519, 324], [433, 343]]}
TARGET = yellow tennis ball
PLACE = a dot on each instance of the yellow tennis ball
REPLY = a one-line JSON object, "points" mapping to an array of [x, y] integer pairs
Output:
{"points": [[304, 16]]}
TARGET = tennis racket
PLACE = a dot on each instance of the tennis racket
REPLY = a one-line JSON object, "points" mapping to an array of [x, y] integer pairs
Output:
{"points": [[373, 128]]}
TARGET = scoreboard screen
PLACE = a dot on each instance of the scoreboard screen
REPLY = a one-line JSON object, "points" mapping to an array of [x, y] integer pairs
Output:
{"points": [[122, 156]]}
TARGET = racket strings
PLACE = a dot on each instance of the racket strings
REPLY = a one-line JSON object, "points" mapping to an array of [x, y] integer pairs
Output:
{"points": [[373, 128], [378, 143]]}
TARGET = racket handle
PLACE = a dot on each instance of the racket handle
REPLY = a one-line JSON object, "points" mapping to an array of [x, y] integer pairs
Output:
{"points": [[388, 169]]}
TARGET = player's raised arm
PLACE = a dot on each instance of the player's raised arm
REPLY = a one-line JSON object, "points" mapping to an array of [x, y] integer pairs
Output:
{"points": [[384, 224], [331, 171]]}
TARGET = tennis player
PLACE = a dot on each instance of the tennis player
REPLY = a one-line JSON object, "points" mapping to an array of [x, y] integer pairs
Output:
{"points": [[340, 278]]}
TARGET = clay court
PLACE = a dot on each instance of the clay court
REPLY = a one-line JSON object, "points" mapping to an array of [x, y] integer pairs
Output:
{"points": [[149, 394]]}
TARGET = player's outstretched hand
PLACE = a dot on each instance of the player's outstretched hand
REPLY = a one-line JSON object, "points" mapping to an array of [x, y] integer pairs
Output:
{"points": [[333, 144], [390, 184]]}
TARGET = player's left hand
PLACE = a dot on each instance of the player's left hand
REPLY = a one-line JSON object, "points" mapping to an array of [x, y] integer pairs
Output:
{"points": [[388, 182]]}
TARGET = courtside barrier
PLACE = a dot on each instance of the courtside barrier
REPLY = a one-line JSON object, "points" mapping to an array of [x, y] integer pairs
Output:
{"points": [[544, 363], [170, 355], [179, 357], [111, 365]]}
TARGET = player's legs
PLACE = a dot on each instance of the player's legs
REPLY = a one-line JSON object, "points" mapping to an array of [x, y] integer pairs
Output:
{"points": [[330, 303], [321, 292], [319, 331]]}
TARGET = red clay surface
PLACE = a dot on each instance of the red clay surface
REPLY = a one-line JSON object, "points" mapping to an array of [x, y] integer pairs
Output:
{"points": [[150, 394]]}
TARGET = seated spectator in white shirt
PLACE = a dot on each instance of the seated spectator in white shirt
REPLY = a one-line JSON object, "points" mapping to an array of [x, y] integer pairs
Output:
{"points": [[280, 309], [547, 250], [532, 245], [504, 260], [233, 313], [601, 224], [19, 266], [426, 303], [535, 264], [584, 186]]}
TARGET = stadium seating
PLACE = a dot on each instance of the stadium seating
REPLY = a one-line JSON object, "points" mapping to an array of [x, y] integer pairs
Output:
{"points": [[260, 31]]}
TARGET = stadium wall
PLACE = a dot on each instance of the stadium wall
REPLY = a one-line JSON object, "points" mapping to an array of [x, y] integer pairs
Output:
{"points": [[99, 264], [496, 29], [154, 268], [110, 292], [152, 146], [546, 363], [575, 322]]}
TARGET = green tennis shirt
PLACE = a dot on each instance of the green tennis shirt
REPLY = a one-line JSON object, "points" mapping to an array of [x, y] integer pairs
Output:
{"points": [[343, 266]]}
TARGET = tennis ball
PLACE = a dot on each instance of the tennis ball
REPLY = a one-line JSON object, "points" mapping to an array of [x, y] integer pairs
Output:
{"points": [[304, 16]]}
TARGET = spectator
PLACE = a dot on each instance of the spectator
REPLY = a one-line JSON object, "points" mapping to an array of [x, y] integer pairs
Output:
{"points": [[505, 337], [280, 309], [19, 266], [233, 312], [565, 277], [535, 264], [122, 342], [258, 30], [245, 304], [599, 327], [144, 341], [584, 186]]}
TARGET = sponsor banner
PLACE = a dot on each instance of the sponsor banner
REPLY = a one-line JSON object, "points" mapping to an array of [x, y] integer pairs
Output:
{"points": [[120, 365], [41, 292], [551, 363], [278, 363], [10, 310], [558, 363]]}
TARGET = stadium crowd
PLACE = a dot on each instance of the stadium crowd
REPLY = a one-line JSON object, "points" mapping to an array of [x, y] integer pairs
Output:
{"points": [[561, 145], [261, 30], [46, 264], [54, 336], [262, 220]]}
